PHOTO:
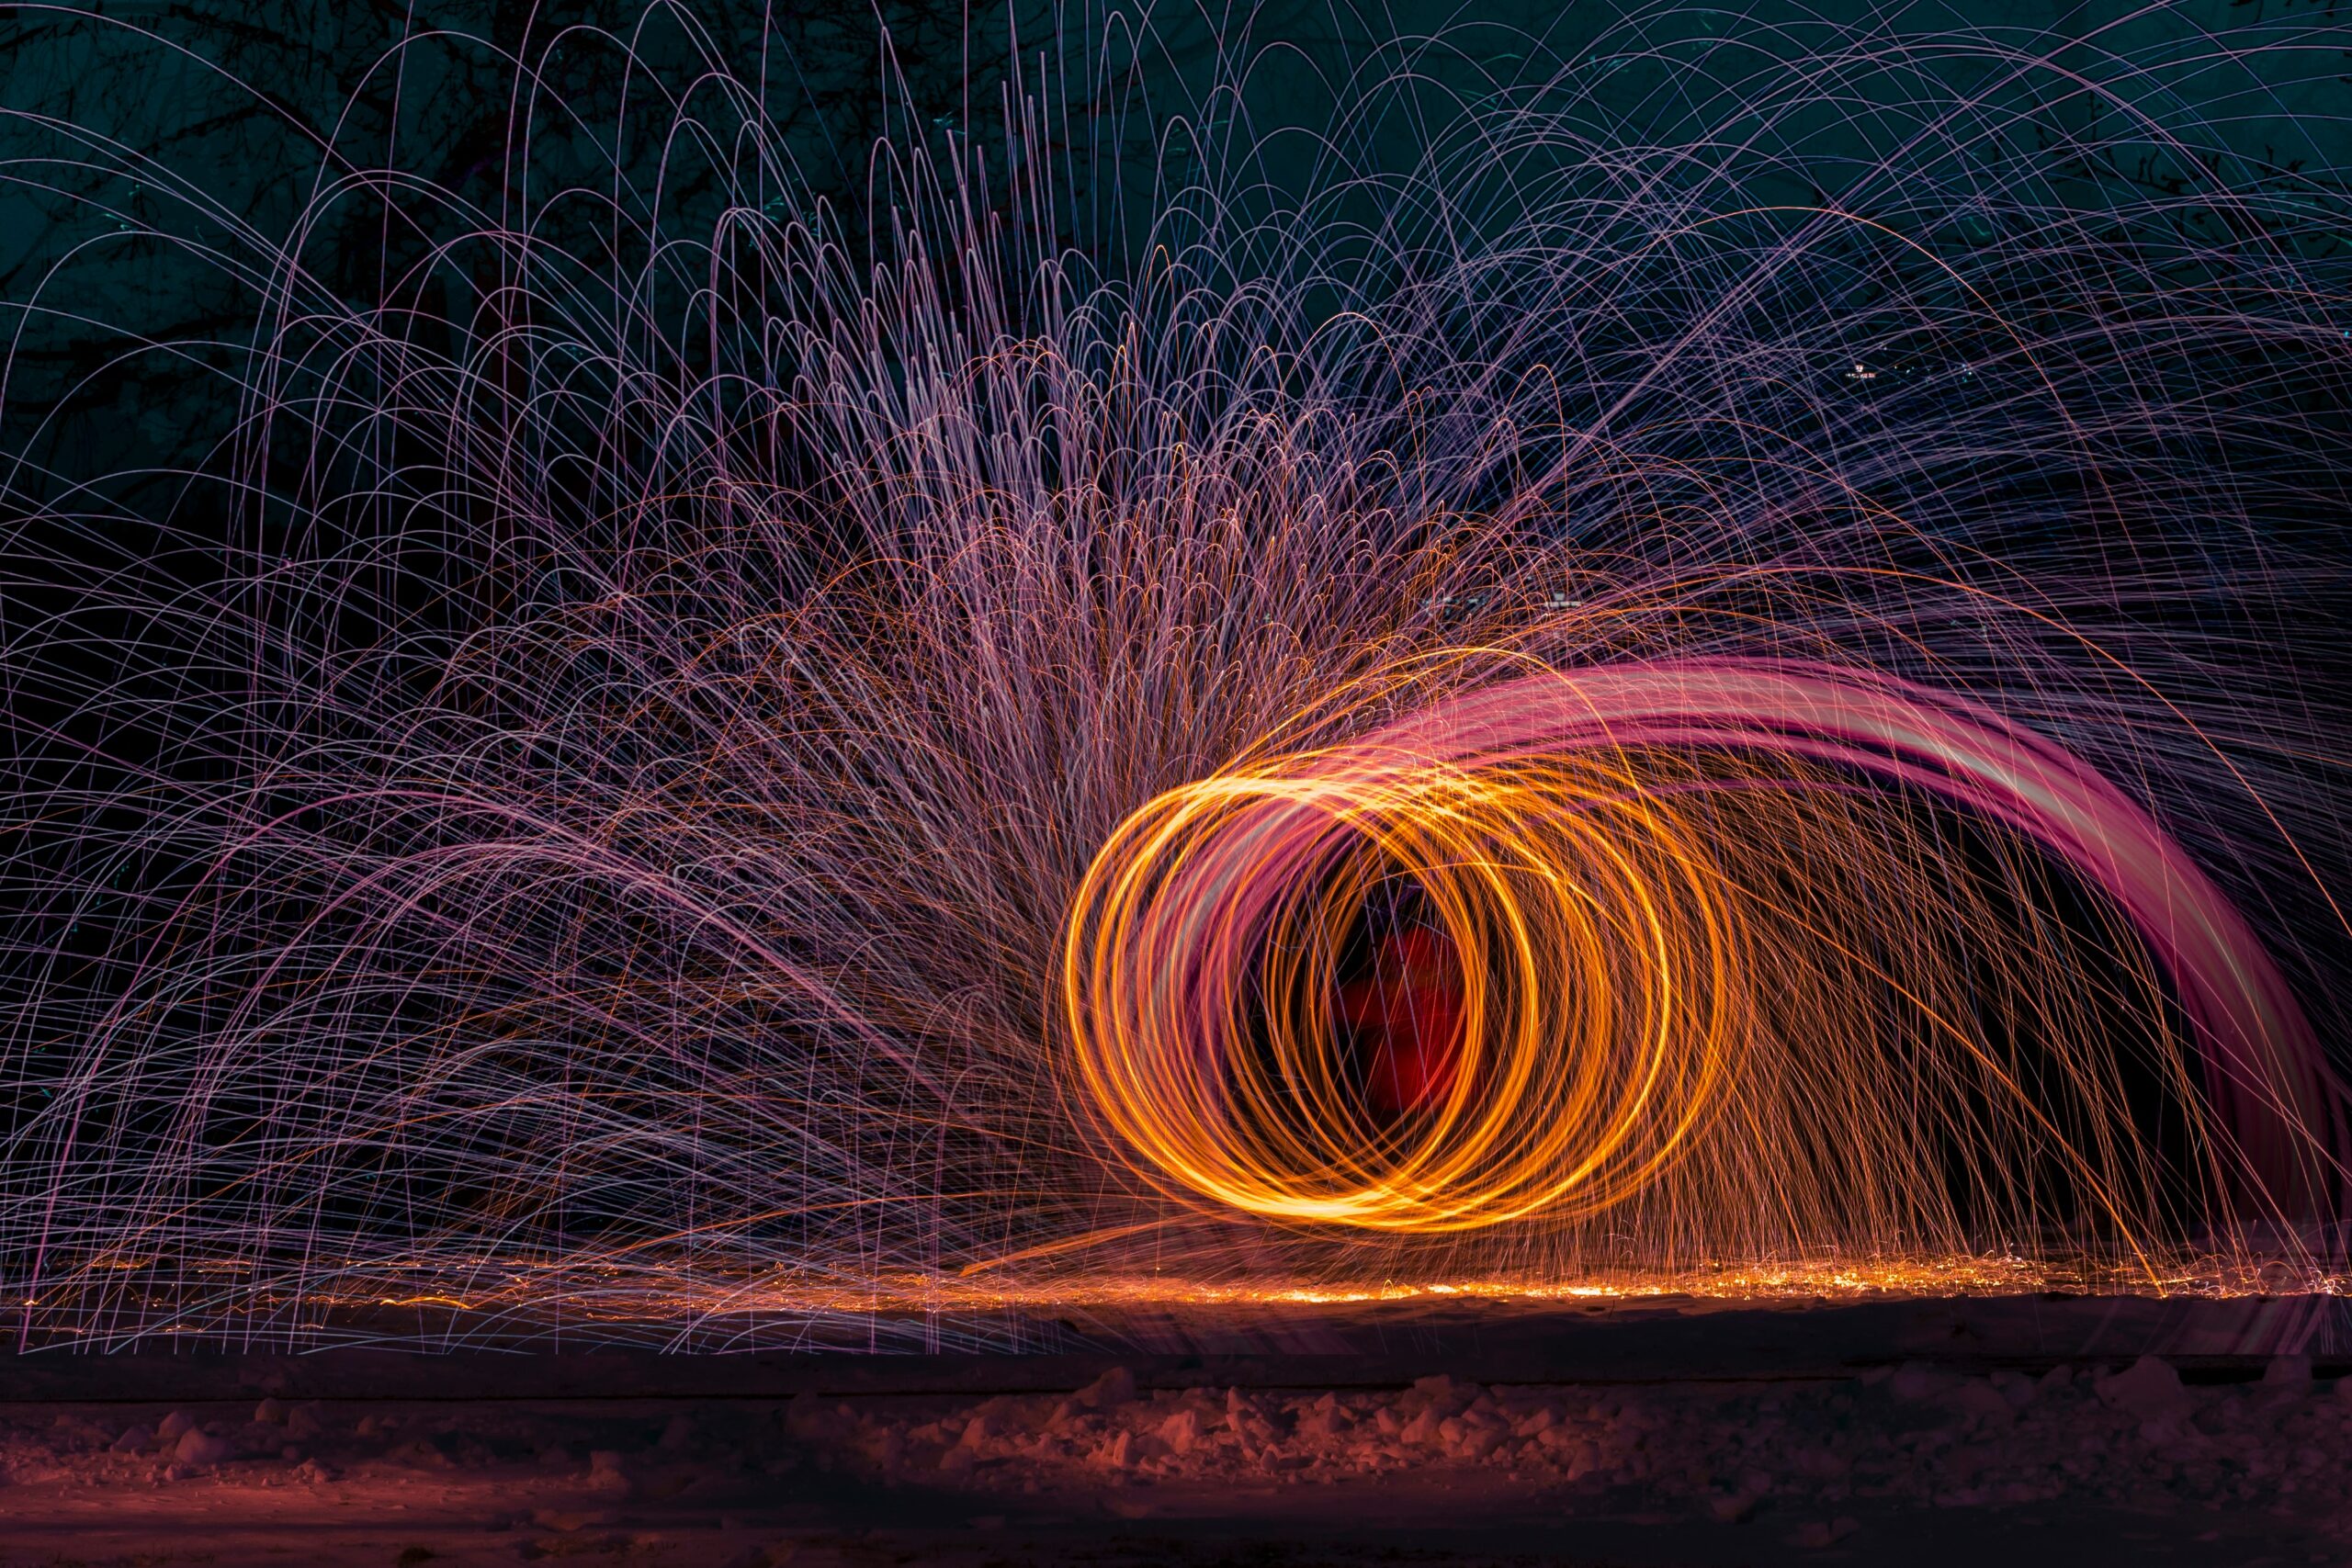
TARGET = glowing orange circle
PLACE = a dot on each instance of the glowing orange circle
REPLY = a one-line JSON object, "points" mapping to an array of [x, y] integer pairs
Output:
{"points": [[1594, 952]]}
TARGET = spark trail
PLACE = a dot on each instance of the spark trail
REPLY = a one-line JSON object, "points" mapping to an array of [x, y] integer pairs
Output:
{"points": [[1270, 713]]}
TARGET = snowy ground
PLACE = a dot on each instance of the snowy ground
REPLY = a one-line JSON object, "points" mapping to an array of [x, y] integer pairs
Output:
{"points": [[1924, 1461]]}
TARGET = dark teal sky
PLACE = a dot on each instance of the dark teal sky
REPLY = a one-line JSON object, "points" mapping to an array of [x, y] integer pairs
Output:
{"points": [[215, 123]]}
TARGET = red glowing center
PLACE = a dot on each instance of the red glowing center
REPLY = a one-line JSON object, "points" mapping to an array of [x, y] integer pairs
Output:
{"points": [[1403, 1020]]}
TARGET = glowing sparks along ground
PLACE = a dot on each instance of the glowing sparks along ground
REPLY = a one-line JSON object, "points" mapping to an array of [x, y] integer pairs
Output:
{"points": [[533, 1302]]}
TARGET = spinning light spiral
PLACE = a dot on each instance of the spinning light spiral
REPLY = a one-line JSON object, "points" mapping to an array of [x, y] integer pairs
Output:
{"points": [[1612, 938]]}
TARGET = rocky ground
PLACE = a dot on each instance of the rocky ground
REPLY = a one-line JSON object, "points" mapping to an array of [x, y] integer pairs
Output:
{"points": [[1912, 1463]]}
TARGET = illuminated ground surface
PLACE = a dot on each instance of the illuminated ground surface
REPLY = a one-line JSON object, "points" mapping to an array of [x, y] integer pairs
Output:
{"points": [[2021, 1429], [510, 1304]]}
